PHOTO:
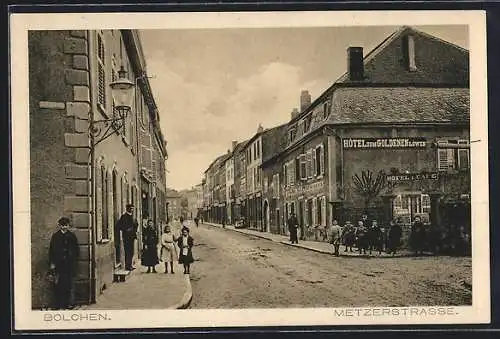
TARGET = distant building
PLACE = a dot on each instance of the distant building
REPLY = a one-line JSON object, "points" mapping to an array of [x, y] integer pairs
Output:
{"points": [[173, 202]]}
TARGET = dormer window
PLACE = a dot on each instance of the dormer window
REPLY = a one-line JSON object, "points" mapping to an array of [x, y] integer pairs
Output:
{"points": [[291, 133]]}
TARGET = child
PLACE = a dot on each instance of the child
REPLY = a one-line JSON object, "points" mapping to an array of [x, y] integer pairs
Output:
{"points": [[185, 243], [168, 250]]}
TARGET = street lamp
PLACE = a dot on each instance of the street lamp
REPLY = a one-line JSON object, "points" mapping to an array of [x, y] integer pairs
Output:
{"points": [[122, 91]]}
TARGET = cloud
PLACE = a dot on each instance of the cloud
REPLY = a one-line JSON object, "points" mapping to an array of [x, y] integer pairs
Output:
{"points": [[201, 118]]}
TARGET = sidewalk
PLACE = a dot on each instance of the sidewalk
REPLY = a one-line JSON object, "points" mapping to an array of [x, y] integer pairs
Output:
{"points": [[147, 291], [316, 246]]}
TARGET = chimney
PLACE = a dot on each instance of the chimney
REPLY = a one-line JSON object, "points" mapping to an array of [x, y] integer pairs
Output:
{"points": [[260, 129], [234, 144], [305, 100], [295, 112], [355, 66]]}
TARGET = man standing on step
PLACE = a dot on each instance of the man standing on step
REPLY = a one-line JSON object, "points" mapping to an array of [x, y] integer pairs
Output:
{"points": [[127, 224]]}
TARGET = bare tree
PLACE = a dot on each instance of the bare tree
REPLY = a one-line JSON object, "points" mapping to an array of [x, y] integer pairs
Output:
{"points": [[369, 185]]}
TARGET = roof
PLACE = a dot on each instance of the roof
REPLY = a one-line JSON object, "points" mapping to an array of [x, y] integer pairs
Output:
{"points": [[343, 79], [400, 105], [171, 193]]}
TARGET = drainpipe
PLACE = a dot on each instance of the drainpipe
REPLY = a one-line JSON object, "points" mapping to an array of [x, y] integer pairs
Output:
{"points": [[91, 181]]}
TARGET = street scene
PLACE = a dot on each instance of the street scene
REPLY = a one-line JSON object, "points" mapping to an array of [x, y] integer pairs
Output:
{"points": [[306, 167]]}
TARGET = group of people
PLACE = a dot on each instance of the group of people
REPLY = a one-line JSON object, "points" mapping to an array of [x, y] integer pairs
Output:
{"points": [[168, 250], [64, 251], [365, 235]]}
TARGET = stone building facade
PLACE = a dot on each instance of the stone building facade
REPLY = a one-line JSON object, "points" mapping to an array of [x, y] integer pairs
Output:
{"points": [[394, 112], [389, 138], [71, 175]]}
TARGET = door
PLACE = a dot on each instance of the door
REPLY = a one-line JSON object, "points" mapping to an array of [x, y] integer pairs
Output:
{"points": [[300, 217], [266, 216], [116, 215]]}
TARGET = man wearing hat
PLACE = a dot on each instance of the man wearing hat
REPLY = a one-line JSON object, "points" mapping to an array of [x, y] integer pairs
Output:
{"points": [[127, 224], [63, 254]]}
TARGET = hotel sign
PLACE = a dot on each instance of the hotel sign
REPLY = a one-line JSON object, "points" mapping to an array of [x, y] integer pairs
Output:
{"points": [[412, 177], [310, 189], [374, 143]]}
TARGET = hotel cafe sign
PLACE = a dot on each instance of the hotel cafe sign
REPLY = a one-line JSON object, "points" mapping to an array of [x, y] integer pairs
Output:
{"points": [[309, 189], [383, 143]]}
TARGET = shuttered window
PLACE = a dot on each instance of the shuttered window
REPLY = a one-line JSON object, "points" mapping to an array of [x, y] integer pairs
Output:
{"points": [[313, 163], [314, 213], [101, 73], [322, 160], [303, 167], [323, 211]]}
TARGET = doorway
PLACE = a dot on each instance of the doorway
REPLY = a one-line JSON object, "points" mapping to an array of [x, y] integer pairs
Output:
{"points": [[266, 216], [116, 215]]}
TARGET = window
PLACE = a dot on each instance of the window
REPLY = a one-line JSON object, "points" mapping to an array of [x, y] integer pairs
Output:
{"points": [[426, 203], [319, 215], [265, 184], [326, 110], [258, 148], [104, 205], [323, 211], [319, 160], [451, 156], [101, 74], [292, 133], [313, 163], [309, 164], [297, 169], [303, 167]]}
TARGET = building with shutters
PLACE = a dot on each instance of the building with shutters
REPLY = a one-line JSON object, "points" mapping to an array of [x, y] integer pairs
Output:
{"points": [[263, 145], [389, 138], [69, 77]]}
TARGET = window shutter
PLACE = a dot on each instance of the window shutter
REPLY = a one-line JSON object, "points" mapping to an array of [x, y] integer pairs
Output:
{"points": [[322, 160], [323, 211], [99, 203], [297, 169], [442, 159], [314, 206], [313, 163]]}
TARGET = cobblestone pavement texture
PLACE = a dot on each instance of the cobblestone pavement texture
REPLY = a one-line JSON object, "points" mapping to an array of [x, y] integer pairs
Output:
{"points": [[235, 270], [145, 290]]}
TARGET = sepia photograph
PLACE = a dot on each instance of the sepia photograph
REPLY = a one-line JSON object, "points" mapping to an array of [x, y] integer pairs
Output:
{"points": [[243, 167]]}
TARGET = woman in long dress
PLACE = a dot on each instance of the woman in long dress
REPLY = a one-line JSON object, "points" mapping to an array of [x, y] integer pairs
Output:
{"points": [[185, 243], [150, 244], [168, 250]]}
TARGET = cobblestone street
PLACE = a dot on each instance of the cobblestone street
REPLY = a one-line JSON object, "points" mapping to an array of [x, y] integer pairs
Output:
{"points": [[234, 270]]}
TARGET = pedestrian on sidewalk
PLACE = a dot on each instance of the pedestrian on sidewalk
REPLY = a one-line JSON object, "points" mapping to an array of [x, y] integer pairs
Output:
{"points": [[394, 237], [128, 225], [63, 254], [150, 247], [185, 243], [196, 221], [335, 237], [349, 235], [293, 225], [168, 250], [362, 237], [418, 236], [374, 237]]}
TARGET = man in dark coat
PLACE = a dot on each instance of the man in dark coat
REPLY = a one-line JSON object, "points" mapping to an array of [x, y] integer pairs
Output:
{"points": [[63, 254], [394, 237], [293, 224], [127, 224]]}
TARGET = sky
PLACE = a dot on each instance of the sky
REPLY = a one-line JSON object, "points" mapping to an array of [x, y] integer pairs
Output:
{"points": [[213, 86]]}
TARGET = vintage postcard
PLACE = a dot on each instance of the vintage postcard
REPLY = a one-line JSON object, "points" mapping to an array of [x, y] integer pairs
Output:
{"points": [[249, 169]]}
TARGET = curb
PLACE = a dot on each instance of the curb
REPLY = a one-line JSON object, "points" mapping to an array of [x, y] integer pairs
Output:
{"points": [[308, 247], [187, 297]]}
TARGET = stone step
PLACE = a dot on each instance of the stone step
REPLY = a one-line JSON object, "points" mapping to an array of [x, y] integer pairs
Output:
{"points": [[120, 275]]}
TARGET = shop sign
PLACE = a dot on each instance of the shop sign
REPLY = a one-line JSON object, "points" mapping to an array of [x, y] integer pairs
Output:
{"points": [[374, 143], [309, 189], [413, 177]]}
